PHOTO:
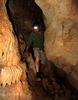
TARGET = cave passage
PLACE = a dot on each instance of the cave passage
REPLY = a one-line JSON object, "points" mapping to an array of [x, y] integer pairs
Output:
{"points": [[23, 15]]}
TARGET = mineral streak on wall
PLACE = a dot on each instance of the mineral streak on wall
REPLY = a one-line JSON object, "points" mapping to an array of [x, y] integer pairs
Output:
{"points": [[61, 35]]}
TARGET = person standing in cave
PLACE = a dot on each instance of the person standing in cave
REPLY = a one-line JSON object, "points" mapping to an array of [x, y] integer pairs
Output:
{"points": [[36, 40]]}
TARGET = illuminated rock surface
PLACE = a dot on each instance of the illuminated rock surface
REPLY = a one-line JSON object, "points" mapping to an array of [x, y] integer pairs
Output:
{"points": [[61, 36], [12, 70]]}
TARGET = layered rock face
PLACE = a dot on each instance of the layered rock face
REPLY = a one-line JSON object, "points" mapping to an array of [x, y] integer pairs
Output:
{"points": [[12, 70], [61, 35]]}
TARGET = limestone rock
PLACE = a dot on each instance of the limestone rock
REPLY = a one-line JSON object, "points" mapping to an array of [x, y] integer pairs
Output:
{"points": [[61, 35], [12, 70], [9, 55]]}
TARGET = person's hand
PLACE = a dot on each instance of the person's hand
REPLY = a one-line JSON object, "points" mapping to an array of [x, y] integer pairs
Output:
{"points": [[27, 50]]}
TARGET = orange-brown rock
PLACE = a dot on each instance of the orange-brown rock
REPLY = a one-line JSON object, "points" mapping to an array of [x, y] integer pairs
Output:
{"points": [[12, 70], [61, 35]]}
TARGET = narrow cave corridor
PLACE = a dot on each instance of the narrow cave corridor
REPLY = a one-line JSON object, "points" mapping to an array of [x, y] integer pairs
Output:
{"points": [[24, 15], [55, 85]]}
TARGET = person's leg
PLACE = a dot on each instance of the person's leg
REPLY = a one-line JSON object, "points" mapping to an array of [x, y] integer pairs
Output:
{"points": [[37, 59], [43, 63], [37, 63]]}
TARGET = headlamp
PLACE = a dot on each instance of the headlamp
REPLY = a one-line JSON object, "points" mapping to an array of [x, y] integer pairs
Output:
{"points": [[35, 27]]}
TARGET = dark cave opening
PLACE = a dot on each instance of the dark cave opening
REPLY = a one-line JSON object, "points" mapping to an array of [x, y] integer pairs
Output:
{"points": [[23, 15], [75, 2]]}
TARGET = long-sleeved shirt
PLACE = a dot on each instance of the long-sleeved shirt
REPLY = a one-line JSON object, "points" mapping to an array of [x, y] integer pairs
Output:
{"points": [[36, 40]]}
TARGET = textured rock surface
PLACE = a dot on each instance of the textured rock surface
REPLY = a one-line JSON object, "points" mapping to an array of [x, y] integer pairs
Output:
{"points": [[61, 36], [9, 55], [12, 70]]}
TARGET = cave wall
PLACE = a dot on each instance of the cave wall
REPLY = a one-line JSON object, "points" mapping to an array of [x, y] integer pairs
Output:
{"points": [[13, 83], [61, 35]]}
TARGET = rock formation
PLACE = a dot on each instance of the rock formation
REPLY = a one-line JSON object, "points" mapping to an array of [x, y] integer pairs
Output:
{"points": [[12, 70], [61, 35]]}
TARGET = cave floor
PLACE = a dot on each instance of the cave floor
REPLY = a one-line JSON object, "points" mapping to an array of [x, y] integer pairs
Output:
{"points": [[38, 92], [13, 92], [50, 88]]}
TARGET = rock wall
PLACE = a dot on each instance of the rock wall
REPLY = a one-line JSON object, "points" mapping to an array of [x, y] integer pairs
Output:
{"points": [[12, 70], [61, 35]]}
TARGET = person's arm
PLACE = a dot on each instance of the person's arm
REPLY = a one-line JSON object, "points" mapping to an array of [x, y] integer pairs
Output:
{"points": [[29, 42]]}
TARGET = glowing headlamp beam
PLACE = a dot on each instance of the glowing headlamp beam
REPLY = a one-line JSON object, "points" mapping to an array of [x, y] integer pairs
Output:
{"points": [[35, 27]]}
